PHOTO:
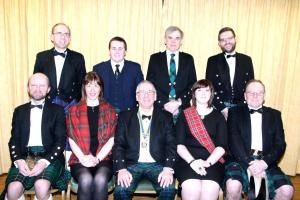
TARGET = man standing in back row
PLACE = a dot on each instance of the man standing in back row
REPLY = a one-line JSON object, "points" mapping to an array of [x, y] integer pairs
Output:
{"points": [[64, 68], [120, 76], [172, 73], [229, 72]]}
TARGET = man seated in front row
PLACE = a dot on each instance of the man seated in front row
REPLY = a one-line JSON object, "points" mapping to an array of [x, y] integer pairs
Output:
{"points": [[37, 143], [256, 141], [144, 147]]}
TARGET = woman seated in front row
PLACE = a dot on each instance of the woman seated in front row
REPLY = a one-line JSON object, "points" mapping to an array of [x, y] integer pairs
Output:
{"points": [[201, 135], [91, 127]]}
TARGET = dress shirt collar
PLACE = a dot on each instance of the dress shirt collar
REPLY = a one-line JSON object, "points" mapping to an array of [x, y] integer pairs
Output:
{"points": [[113, 64], [170, 52], [232, 53], [142, 112]]}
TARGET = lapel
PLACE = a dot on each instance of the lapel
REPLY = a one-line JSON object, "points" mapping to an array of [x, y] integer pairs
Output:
{"points": [[67, 68], [27, 122], [164, 63], [154, 127], [45, 119], [246, 125], [265, 124], [125, 67], [181, 67], [237, 69], [224, 71], [135, 124], [52, 69]]}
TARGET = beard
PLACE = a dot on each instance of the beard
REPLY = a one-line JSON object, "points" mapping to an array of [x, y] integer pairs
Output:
{"points": [[37, 97], [229, 50]]}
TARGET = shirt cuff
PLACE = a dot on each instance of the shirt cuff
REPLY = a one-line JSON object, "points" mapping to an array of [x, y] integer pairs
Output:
{"points": [[45, 161], [169, 168]]}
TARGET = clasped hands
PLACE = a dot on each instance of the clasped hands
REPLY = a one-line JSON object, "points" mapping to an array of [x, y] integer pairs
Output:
{"points": [[257, 168], [36, 170], [172, 106], [89, 160], [199, 166], [165, 178]]}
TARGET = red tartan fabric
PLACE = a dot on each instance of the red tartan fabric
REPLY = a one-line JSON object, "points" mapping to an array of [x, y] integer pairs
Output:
{"points": [[78, 126], [198, 129]]}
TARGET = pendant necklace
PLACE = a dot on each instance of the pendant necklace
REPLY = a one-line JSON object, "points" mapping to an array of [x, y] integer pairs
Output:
{"points": [[145, 136]]}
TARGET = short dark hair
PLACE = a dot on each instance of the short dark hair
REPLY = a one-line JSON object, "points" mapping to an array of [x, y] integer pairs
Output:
{"points": [[90, 77], [203, 84], [58, 24], [119, 39], [224, 29]]}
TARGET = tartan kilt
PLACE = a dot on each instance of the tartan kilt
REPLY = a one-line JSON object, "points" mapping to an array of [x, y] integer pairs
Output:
{"points": [[275, 177], [55, 173]]}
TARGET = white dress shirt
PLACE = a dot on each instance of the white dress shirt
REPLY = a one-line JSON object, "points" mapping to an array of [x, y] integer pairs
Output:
{"points": [[231, 63]]}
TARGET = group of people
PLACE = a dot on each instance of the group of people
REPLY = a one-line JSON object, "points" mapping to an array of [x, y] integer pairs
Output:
{"points": [[209, 134]]}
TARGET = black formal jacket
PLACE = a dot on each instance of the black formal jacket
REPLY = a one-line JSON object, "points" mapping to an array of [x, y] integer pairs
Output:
{"points": [[127, 139], [53, 132], [72, 74], [158, 74], [239, 130], [217, 71]]}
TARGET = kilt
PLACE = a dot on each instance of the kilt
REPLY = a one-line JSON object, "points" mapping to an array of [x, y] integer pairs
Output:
{"points": [[275, 177], [149, 171], [55, 173]]}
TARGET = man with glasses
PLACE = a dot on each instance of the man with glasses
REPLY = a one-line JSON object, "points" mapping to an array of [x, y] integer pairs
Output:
{"points": [[120, 76], [65, 68], [256, 143], [144, 147], [229, 72]]}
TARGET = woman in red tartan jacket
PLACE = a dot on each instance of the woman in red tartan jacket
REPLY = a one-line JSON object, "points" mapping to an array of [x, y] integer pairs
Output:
{"points": [[201, 136], [91, 126]]}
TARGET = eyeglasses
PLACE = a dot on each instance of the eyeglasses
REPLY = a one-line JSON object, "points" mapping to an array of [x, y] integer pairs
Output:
{"points": [[143, 92], [258, 94], [226, 39], [62, 34]]}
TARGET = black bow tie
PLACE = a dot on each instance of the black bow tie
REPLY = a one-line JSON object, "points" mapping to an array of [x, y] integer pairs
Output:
{"points": [[56, 53], [146, 117], [228, 55], [40, 106], [260, 110]]}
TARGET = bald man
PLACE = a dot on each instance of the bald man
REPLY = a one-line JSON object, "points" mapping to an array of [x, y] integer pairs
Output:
{"points": [[37, 143]]}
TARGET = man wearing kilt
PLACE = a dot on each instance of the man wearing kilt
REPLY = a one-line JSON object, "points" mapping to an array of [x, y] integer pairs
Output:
{"points": [[256, 142], [144, 147], [37, 143]]}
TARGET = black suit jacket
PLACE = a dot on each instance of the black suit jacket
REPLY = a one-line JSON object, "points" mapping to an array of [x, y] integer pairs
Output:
{"points": [[217, 71], [53, 132], [239, 129], [186, 76], [72, 74], [127, 139]]}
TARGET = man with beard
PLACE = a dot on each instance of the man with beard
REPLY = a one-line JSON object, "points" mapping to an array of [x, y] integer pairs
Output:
{"points": [[37, 143], [229, 72]]}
